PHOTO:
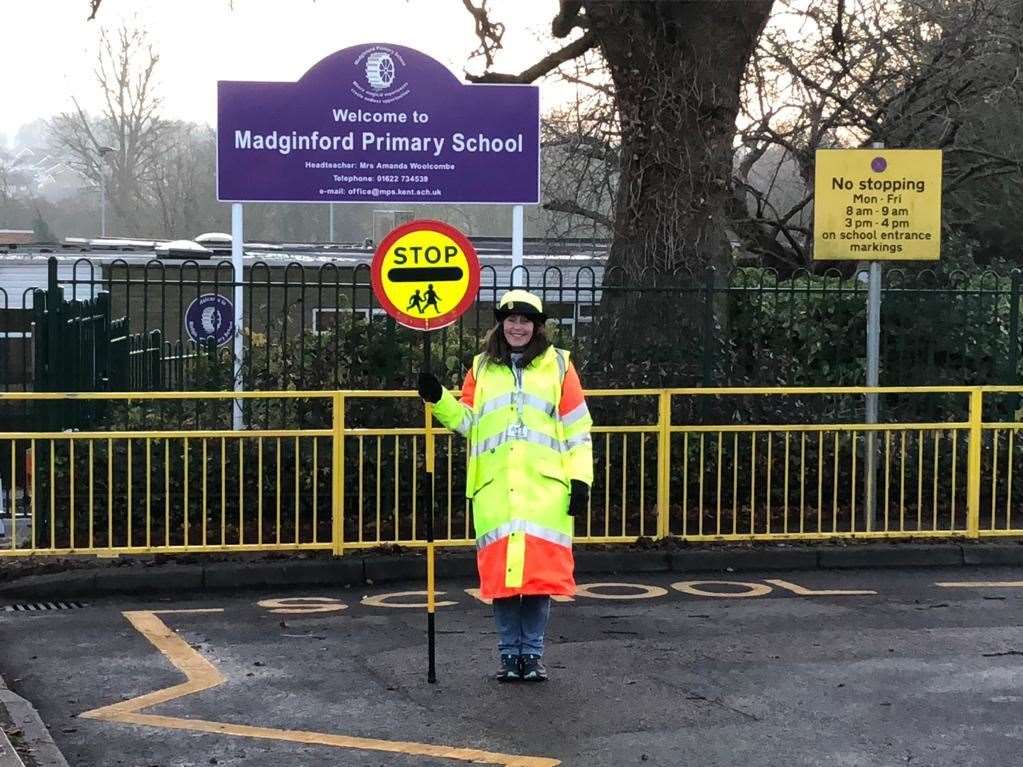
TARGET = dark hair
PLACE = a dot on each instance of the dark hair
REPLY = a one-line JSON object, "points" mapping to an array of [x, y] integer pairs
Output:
{"points": [[496, 347]]}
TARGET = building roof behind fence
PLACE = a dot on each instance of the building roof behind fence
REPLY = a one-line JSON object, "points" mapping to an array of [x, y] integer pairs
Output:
{"points": [[551, 264]]}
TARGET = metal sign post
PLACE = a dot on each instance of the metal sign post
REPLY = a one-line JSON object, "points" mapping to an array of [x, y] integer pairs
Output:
{"points": [[426, 274], [518, 228], [873, 376], [431, 583], [237, 264]]}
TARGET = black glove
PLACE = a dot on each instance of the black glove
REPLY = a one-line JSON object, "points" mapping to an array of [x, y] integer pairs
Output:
{"points": [[429, 387], [580, 497]]}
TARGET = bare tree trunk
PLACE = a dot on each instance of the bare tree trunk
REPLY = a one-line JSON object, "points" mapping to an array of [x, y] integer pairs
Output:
{"points": [[677, 68]]}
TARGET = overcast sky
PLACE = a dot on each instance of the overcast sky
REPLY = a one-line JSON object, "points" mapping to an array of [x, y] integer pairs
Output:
{"points": [[50, 49]]}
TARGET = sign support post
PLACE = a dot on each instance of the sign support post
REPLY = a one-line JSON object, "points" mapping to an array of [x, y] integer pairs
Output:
{"points": [[426, 274], [517, 237], [238, 268], [431, 599], [873, 377]]}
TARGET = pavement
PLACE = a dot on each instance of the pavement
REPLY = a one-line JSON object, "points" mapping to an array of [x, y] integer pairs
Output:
{"points": [[772, 668], [24, 739], [87, 576]]}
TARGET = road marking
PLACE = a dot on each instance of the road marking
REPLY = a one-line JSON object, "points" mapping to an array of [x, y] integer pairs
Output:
{"points": [[178, 612], [32, 606], [645, 592], [692, 587], [202, 675], [475, 594], [981, 585], [303, 605], [805, 592], [381, 600]]}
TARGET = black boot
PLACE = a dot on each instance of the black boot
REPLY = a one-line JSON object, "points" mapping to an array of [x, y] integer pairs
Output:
{"points": [[511, 669], [532, 669]]}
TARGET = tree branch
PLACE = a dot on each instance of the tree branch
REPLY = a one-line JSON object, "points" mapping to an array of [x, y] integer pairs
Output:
{"points": [[542, 67], [571, 206], [568, 18], [489, 32], [982, 170], [987, 155], [584, 146]]}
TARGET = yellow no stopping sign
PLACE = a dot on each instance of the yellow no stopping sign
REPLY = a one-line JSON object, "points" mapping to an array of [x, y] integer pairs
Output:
{"points": [[877, 204]]}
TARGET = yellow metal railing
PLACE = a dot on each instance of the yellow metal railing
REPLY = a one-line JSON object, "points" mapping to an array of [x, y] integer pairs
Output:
{"points": [[170, 475]]}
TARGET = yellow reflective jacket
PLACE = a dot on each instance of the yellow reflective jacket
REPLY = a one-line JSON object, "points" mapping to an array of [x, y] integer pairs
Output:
{"points": [[529, 436]]}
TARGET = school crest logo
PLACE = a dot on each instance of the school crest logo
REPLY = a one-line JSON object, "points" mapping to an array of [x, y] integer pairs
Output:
{"points": [[379, 76], [210, 316]]}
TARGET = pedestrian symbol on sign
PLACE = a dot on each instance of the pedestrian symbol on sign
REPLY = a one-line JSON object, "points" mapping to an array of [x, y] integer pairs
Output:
{"points": [[431, 300], [421, 303]]}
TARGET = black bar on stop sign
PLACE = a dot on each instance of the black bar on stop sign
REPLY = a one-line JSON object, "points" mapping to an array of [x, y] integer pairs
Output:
{"points": [[426, 274]]}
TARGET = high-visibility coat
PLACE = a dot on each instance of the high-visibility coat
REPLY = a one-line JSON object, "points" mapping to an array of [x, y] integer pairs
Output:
{"points": [[529, 436]]}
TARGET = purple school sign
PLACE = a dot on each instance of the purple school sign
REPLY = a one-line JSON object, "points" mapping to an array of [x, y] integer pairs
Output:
{"points": [[378, 123]]}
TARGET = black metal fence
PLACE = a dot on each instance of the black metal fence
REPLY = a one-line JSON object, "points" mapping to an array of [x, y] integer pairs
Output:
{"points": [[318, 326], [72, 341]]}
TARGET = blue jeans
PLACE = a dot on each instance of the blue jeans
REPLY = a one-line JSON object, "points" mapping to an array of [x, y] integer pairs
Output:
{"points": [[521, 623]]}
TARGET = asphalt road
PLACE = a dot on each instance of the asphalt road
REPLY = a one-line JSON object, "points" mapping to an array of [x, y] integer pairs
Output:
{"points": [[917, 674]]}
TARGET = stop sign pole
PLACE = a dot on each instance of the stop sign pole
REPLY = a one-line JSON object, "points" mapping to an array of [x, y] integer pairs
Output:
{"points": [[431, 597], [426, 274]]}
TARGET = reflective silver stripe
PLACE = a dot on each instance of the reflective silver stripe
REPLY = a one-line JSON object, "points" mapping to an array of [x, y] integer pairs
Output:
{"points": [[489, 444], [574, 442], [512, 434], [510, 398], [542, 439], [581, 411], [494, 404], [540, 404], [562, 364], [523, 526], [465, 425]]}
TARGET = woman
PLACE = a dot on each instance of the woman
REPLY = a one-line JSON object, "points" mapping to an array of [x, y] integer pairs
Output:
{"points": [[530, 468]]}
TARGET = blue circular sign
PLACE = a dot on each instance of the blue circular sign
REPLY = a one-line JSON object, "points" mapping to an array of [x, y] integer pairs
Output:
{"points": [[210, 315]]}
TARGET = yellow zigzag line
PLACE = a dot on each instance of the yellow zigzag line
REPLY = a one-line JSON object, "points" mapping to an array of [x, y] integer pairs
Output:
{"points": [[202, 675]]}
